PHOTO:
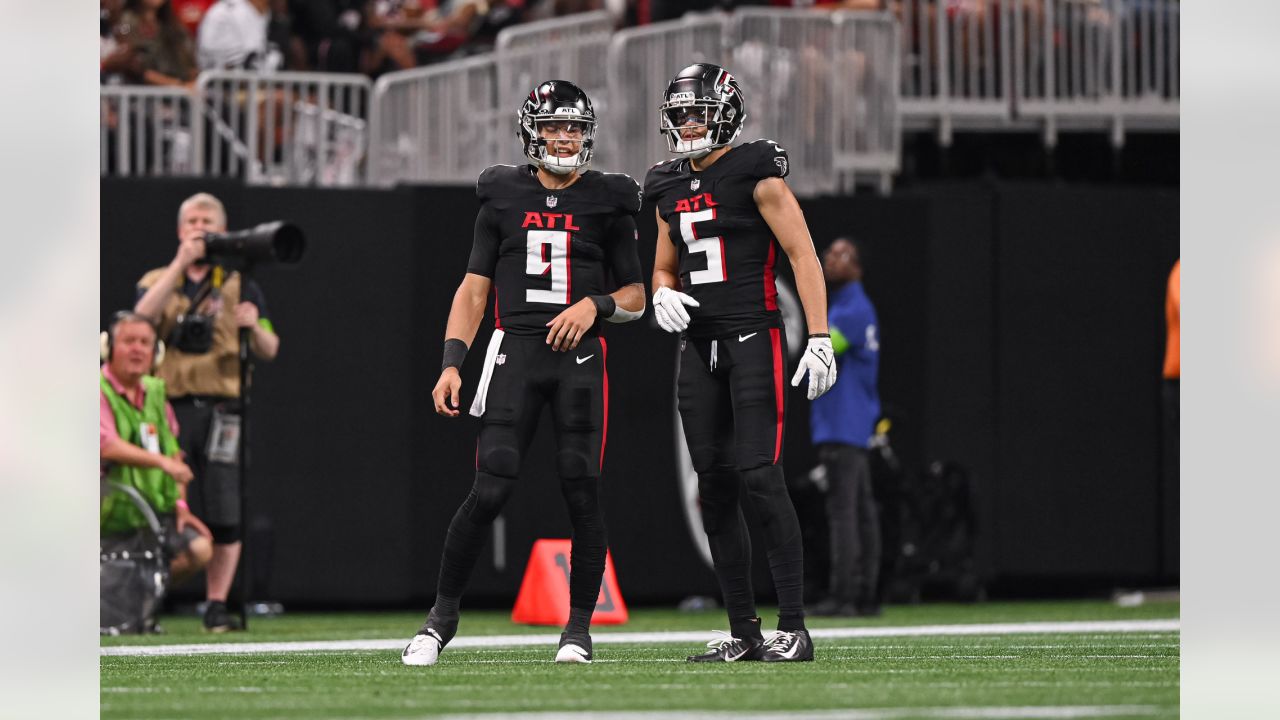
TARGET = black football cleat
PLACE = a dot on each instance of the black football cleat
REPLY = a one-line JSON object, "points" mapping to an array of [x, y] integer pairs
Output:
{"points": [[788, 647], [730, 649]]}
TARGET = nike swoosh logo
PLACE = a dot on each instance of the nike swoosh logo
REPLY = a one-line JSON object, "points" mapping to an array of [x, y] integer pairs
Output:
{"points": [[744, 338], [582, 360], [727, 658]]}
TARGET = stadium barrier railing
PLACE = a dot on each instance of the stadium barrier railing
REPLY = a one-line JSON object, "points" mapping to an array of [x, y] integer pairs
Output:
{"points": [[287, 128], [1097, 63], [437, 124], [641, 63], [146, 131], [835, 89], [956, 67], [579, 47]]}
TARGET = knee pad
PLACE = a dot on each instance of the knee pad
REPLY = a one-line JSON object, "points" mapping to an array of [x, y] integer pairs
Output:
{"points": [[573, 464], [225, 534], [765, 481], [707, 460], [718, 496], [488, 494], [500, 459]]}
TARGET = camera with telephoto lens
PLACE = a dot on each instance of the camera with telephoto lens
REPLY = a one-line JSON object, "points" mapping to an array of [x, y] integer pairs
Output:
{"points": [[276, 241], [193, 334]]}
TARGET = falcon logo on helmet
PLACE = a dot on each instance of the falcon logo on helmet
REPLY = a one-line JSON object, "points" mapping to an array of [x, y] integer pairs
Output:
{"points": [[704, 101], [563, 107]]}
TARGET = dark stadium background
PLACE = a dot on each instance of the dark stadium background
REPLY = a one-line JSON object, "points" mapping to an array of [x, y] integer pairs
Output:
{"points": [[1020, 294]]}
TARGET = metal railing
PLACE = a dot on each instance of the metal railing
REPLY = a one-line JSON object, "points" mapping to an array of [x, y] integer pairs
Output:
{"points": [[284, 128], [146, 131], [642, 62], [438, 124], [956, 65], [1090, 62], [824, 86], [573, 48], [835, 89], [868, 138]]}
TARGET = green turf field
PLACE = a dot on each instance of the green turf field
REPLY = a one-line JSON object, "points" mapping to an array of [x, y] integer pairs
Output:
{"points": [[1058, 674]]}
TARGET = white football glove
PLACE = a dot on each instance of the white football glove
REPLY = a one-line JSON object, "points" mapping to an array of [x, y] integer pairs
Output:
{"points": [[668, 309], [819, 360]]}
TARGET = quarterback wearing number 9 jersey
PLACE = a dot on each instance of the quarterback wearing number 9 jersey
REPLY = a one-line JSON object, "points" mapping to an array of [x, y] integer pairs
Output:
{"points": [[557, 245], [724, 215]]}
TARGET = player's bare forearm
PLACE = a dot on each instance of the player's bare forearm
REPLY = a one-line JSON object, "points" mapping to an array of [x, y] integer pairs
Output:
{"points": [[468, 308], [812, 289], [666, 261], [780, 209], [629, 298]]}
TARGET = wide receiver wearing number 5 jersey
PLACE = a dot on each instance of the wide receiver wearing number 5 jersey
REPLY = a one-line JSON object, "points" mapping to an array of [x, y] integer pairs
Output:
{"points": [[722, 212], [547, 237]]}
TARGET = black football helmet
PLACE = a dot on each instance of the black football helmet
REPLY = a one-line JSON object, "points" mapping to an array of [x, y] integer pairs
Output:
{"points": [[559, 101], [709, 95]]}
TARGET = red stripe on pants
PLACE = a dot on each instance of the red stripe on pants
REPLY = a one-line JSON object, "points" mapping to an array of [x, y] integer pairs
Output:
{"points": [[775, 335], [604, 426]]}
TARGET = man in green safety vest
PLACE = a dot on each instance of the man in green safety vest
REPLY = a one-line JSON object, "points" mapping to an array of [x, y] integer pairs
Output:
{"points": [[138, 447]]}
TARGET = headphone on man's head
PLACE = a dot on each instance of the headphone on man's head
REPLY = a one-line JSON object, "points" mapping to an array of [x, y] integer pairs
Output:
{"points": [[107, 340]]}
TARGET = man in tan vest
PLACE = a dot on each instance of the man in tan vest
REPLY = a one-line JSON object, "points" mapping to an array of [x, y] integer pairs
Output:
{"points": [[199, 309]]}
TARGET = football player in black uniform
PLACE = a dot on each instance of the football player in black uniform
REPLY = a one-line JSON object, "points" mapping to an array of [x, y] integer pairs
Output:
{"points": [[723, 212], [548, 237]]}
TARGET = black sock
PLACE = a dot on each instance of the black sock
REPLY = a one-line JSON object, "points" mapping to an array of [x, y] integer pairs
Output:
{"points": [[747, 629], [579, 621], [467, 534], [767, 489], [590, 543], [719, 494]]}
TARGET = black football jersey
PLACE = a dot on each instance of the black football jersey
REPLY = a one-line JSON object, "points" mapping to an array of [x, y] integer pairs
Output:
{"points": [[547, 249], [727, 250]]}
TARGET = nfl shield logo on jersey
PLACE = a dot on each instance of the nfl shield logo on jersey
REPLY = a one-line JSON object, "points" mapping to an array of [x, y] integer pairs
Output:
{"points": [[695, 184], [502, 358], [552, 200]]}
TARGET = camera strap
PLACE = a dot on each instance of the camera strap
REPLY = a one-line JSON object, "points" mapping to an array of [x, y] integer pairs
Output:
{"points": [[211, 284]]}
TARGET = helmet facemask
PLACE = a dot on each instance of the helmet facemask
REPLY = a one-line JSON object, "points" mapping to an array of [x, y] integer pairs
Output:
{"points": [[722, 122], [575, 128]]}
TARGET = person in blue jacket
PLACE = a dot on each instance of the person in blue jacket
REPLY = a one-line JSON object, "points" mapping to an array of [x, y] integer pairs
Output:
{"points": [[842, 422]]}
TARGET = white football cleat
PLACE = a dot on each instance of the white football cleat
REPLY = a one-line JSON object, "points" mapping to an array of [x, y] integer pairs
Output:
{"points": [[424, 649], [574, 650]]}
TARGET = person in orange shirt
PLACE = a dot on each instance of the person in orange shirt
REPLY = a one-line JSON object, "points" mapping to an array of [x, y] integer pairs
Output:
{"points": [[1172, 376], [1172, 302]]}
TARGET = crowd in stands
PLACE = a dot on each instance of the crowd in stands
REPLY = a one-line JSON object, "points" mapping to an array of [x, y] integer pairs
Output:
{"points": [[168, 42]]}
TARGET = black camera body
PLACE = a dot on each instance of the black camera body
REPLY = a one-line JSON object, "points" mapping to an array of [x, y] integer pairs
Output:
{"points": [[193, 334]]}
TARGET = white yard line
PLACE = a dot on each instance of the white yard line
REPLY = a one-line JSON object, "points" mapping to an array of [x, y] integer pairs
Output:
{"points": [[609, 638], [1051, 712]]}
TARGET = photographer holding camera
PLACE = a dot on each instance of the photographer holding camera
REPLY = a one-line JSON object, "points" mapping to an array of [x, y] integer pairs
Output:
{"points": [[199, 309]]}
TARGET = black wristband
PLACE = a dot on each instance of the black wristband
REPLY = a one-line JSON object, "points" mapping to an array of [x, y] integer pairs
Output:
{"points": [[455, 351], [605, 305], [819, 335]]}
